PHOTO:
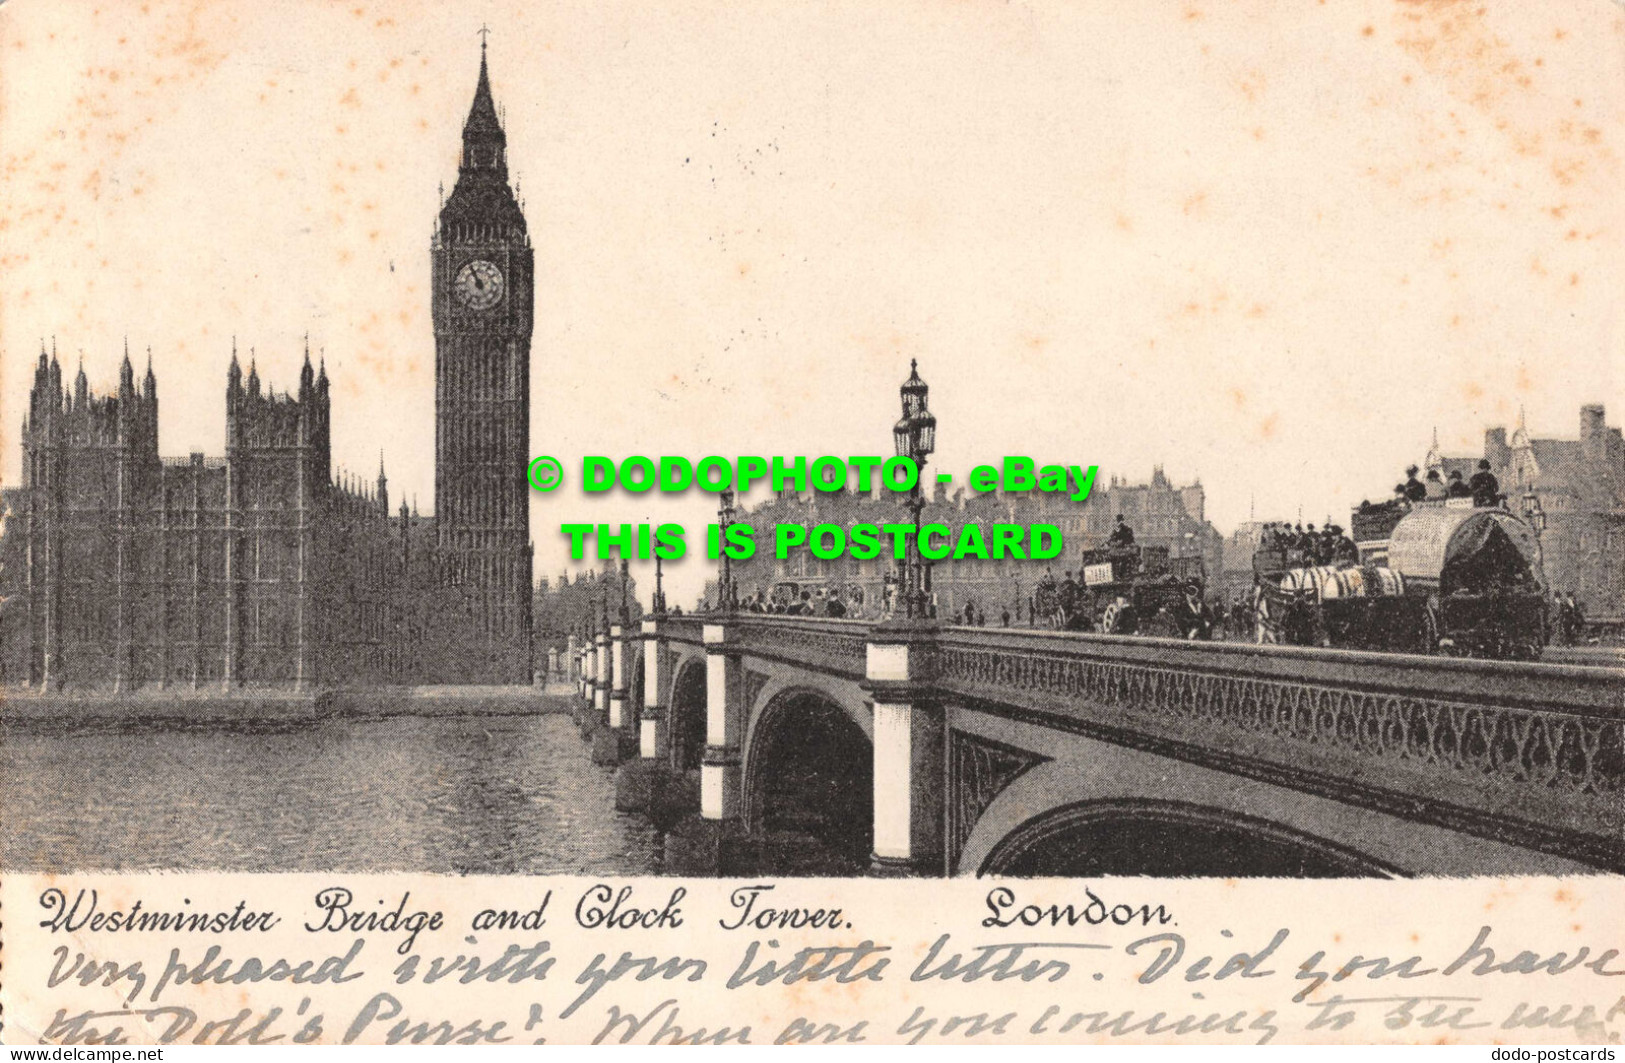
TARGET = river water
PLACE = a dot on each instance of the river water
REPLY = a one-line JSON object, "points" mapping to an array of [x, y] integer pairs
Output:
{"points": [[470, 794]]}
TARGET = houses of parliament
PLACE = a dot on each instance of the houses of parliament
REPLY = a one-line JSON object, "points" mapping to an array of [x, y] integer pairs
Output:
{"points": [[126, 569]]}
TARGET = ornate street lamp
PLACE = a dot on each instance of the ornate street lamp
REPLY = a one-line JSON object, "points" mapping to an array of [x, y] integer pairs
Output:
{"points": [[916, 433], [725, 516], [658, 601], [916, 437], [1532, 511], [1535, 515]]}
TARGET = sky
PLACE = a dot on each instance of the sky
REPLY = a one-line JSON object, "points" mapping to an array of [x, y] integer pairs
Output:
{"points": [[1270, 246]]}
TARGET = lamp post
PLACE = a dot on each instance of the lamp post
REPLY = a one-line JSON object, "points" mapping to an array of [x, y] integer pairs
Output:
{"points": [[1536, 516], [909, 719], [590, 657], [658, 601], [1533, 513], [916, 437], [725, 515]]}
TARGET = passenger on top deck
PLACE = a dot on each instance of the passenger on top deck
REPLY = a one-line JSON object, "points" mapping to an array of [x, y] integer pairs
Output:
{"points": [[1486, 489], [1415, 490], [1343, 548]]}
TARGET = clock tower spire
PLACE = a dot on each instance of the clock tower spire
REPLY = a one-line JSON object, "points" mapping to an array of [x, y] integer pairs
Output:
{"points": [[485, 145], [483, 297]]}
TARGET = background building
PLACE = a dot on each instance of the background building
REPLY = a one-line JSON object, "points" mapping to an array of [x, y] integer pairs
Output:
{"points": [[125, 568], [1160, 514], [1236, 571], [571, 604], [1580, 485]]}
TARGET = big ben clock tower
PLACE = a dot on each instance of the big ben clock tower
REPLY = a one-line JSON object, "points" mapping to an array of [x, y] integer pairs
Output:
{"points": [[484, 288]]}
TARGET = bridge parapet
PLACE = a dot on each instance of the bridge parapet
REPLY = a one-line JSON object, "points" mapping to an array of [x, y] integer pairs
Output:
{"points": [[688, 628], [834, 647], [1527, 753], [819, 644]]}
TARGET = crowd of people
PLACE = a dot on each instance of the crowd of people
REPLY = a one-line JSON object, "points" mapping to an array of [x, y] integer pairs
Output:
{"points": [[1328, 546], [1064, 604], [851, 604], [813, 601], [1484, 489], [1068, 604]]}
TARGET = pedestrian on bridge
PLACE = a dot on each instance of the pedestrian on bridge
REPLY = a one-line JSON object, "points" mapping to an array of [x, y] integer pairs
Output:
{"points": [[1067, 602]]}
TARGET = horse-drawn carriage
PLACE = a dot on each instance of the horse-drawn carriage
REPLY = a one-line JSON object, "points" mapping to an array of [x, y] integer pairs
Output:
{"points": [[1130, 590], [1434, 579]]}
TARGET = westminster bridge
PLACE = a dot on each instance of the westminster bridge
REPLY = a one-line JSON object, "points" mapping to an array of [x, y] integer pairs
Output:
{"points": [[755, 740]]}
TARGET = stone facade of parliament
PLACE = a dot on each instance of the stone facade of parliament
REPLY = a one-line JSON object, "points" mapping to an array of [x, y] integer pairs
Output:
{"points": [[123, 568]]}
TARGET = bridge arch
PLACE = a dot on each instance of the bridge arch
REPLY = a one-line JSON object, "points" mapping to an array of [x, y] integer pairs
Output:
{"points": [[809, 771], [1105, 809], [686, 715], [1168, 839]]}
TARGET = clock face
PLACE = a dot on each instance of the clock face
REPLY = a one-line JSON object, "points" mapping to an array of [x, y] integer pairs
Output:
{"points": [[479, 285]]}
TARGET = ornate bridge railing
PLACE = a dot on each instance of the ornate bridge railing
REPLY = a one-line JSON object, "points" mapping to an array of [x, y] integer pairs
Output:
{"points": [[1531, 754], [833, 647], [688, 628]]}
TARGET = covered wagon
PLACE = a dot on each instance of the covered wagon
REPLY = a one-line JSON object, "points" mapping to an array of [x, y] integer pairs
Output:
{"points": [[1443, 580]]}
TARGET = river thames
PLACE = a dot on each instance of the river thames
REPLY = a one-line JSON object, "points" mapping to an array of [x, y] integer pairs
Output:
{"points": [[453, 794]]}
